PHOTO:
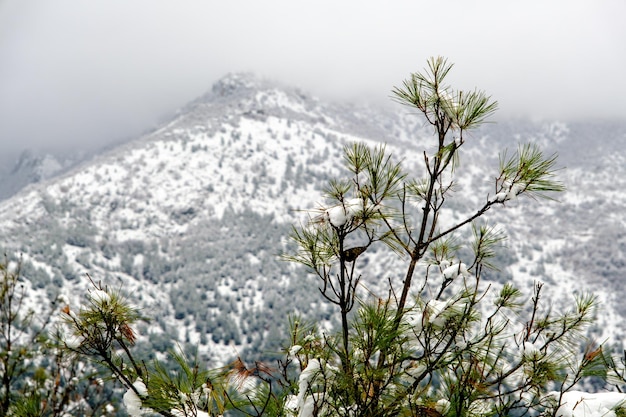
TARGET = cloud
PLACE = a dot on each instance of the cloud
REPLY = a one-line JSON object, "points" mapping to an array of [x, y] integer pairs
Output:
{"points": [[79, 73]]}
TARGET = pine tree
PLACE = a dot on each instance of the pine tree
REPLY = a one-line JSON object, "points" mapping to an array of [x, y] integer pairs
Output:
{"points": [[442, 342]]}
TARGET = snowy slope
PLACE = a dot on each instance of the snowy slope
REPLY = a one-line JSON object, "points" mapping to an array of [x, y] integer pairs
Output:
{"points": [[189, 218]]}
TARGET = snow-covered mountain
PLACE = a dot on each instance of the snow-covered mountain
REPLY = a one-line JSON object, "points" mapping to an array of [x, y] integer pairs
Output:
{"points": [[188, 219]]}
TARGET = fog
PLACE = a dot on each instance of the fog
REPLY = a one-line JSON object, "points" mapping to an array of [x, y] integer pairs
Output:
{"points": [[77, 73]]}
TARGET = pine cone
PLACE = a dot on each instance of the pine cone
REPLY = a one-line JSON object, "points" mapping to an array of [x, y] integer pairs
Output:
{"points": [[422, 411], [350, 255]]}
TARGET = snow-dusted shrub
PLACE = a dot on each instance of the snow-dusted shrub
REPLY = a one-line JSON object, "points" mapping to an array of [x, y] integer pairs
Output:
{"points": [[37, 376]]}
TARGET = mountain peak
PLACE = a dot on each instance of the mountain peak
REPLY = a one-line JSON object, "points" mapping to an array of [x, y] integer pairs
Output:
{"points": [[238, 82], [244, 94]]}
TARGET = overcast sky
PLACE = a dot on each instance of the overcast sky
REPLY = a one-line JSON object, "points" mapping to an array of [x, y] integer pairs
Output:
{"points": [[86, 72]]}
